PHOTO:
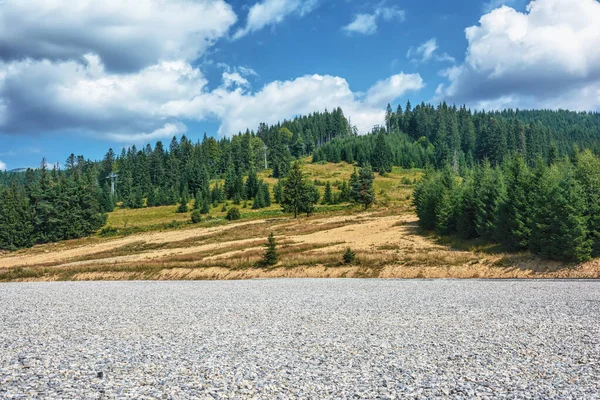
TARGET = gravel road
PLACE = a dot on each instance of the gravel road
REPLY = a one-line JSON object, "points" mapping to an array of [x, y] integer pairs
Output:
{"points": [[312, 339]]}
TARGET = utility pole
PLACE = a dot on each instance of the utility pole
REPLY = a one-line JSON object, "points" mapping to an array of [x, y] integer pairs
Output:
{"points": [[265, 152], [112, 176]]}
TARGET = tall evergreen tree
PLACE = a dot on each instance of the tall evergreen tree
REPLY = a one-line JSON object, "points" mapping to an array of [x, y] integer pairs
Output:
{"points": [[513, 221], [362, 187]]}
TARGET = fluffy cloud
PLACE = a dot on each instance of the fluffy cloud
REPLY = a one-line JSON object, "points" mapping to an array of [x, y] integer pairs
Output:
{"points": [[385, 91], [426, 52], [366, 24], [546, 57], [271, 12], [99, 68], [2, 166], [151, 104], [234, 79], [126, 35], [285, 99], [44, 95]]}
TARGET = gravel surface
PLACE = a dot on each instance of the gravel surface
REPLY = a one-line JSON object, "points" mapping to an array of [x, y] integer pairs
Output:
{"points": [[311, 339]]}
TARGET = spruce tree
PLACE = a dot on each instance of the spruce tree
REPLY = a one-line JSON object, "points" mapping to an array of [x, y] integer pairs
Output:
{"points": [[198, 200], [559, 223], [294, 190], [467, 208], [265, 193], [278, 192], [258, 202], [252, 185], [205, 206], [447, 204], [328, 195], [271, 255], [513, 224], [362, 186], [381, 159], [183, 204], [588, 174], [489, 192]]}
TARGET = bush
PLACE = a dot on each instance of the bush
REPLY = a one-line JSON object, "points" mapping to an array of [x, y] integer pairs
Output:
{"points": [[233, 214], [349, 256], [109, 231], [196, 217], [406, 181]]}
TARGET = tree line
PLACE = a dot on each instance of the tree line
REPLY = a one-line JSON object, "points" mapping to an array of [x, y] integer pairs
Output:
{"points": [[551, 209], [461, 138], [45, 204], [50, 206]]}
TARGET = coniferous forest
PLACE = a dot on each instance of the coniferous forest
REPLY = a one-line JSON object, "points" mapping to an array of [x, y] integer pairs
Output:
{"points": [[529, 180]]}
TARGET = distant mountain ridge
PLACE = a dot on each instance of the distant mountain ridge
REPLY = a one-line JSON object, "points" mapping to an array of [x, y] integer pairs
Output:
{"points": [[17, 170]]}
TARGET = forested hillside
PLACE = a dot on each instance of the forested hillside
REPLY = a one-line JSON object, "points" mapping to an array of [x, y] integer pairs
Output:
{"points": [[51, 204], [447, 135]]}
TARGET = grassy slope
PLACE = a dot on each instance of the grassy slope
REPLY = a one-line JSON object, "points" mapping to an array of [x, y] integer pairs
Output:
{"points": [[386, 239]]}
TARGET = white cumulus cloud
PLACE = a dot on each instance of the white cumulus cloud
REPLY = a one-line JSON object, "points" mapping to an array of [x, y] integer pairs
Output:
{"points": [[126, 35], [366, 23], [385, 91], [546, 57], [426, 52], [272, 12], [285, 99], [2, 166], [128, 71]]}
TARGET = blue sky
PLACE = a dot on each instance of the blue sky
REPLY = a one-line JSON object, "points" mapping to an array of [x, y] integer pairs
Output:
{"points": [[82, 78]]}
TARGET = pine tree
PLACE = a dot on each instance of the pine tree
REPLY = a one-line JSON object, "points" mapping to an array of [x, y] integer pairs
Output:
{"points": [[467, 208], [258, 202], [513, 221], [271, 255], [309, 199], [381, 159], [294, 190], [344, 192], [196, 217], [230, 183], [183, 205], [136, 199], [560, 224], [106, 200], [328, 195], [362, 187], [489, 192], [446, 207], [588, 174], [252, 185], [278, 192], [205, 206], [198, 200], [265, 194]]}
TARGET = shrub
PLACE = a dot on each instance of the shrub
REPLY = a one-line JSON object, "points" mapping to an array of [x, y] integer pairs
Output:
{"points": [[196, 217], [109, 231], [349, 256], [233, 214]]}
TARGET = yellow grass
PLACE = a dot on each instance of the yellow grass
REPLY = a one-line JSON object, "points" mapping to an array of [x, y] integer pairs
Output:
{"points": [[386, 239]]}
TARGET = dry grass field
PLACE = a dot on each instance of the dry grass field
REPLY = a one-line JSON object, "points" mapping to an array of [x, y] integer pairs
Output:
{"points": [[157, 243]]}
